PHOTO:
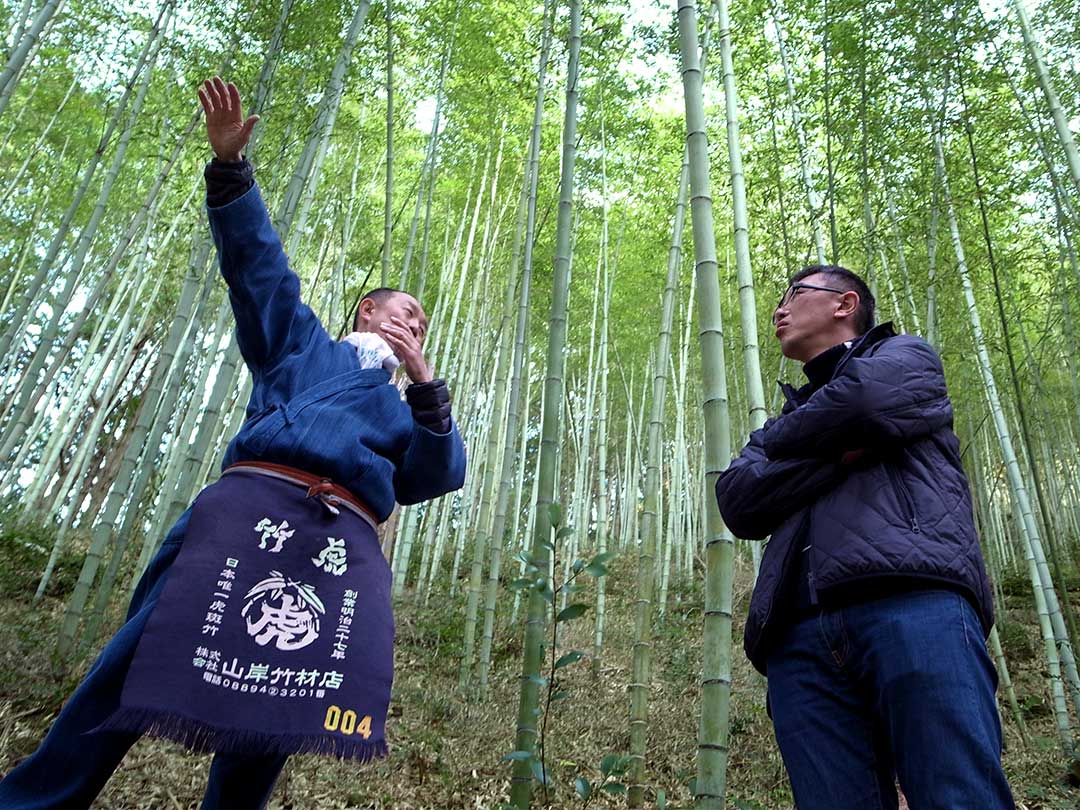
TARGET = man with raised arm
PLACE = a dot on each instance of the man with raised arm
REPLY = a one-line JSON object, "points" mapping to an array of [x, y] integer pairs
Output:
{"points": [[263, 626]]}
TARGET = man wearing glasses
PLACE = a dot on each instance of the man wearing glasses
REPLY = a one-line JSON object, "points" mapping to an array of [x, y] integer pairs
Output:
{"points": [[871, 607]]}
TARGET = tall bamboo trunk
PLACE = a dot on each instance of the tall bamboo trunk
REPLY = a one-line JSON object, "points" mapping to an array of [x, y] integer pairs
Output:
{"points": [[650, 527], [52, 252], [1041, 582], [425, 187], [527, 205], [388, 207], [1061, 121], [716, 673], [325, 116], [812, 198], [526, 734], [20, 55]]}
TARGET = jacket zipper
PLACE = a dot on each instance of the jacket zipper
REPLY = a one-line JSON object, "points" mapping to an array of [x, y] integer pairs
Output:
{"points": [[904, 494]]}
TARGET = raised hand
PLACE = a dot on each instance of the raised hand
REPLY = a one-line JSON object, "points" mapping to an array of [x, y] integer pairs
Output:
{"points": [[226, 128], [408, 348]]}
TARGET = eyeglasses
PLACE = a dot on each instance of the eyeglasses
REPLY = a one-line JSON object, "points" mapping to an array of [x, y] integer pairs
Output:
{"points": [[793, 290]]}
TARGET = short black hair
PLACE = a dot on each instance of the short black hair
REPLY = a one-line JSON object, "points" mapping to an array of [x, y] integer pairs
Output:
{"points": [[379, 296], [849, 281]]}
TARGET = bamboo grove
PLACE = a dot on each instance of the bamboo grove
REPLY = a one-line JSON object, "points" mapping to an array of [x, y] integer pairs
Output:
{"points": [[531, 172]]}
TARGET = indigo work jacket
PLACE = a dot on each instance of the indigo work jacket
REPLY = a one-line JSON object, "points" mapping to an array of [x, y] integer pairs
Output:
{"points": [[901, 511], [312, 407]]}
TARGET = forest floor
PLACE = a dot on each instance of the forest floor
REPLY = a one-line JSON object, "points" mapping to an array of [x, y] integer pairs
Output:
{"points": [[446, 751]]}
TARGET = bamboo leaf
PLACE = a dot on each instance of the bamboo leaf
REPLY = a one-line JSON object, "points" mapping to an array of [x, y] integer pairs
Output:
{"points": [[517, 756], [555, 514], [571, 612], [583, 788], [540, 773], [571, 657], [614, 764]]}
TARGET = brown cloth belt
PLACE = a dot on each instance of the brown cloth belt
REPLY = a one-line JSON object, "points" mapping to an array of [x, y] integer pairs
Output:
{"points": [[332, 495]]}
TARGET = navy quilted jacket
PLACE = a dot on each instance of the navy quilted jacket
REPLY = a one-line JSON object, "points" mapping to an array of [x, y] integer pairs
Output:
{"points": [[903, 509], [312, 407]]}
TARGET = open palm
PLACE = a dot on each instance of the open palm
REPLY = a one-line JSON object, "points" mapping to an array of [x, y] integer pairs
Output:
{"points": [[226, 128]]}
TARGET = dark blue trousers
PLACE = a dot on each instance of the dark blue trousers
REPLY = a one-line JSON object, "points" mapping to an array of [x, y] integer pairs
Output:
{"points": [[73, 762], [897, 687]]}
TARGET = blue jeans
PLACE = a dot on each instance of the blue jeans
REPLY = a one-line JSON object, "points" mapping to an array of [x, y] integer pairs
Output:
{"points": [[73, 762], [897, 687]]}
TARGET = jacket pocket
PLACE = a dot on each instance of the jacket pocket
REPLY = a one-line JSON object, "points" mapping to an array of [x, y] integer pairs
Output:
{"points": [[903, 495]]}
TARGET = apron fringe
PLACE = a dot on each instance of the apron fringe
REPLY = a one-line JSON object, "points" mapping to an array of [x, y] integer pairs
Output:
{"points": [[201, 737]]}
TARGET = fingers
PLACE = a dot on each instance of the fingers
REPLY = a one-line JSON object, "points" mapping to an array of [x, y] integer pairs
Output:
{"points": [[397, 342], [404, 337], [214, 96], [221, 100], [399, 322], [249, 125], [217, 96], [234, 97], [407, 349], [209, 92], [221, 93]]}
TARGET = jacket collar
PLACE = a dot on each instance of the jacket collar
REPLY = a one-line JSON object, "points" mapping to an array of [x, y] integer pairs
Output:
{"points": [[797, 396], [862, 343]]}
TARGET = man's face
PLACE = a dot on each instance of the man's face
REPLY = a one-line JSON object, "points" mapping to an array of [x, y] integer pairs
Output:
{"points": [[805, 316], [404, 307]]}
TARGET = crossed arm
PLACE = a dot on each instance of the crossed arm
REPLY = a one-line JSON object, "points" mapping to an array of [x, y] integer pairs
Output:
{"points": [[889, 399], [756, 494]]}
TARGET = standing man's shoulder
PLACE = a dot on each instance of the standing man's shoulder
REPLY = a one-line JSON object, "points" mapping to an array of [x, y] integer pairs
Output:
{"points": [[910, 350], [902, 341]]}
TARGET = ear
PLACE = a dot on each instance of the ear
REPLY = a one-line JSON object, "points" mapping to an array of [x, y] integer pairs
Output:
{"points": [[848, 305], [363, 314]]}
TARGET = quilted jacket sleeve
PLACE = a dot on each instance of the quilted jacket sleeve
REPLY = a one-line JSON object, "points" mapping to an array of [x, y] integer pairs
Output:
{"points": [[756, 494], [433, 465], [894, 396], [271, 320]]}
